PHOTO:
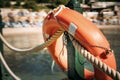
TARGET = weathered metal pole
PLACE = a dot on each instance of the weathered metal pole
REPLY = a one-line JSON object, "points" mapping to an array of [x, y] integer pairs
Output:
{"points": [[75, 60], [75, 5]]}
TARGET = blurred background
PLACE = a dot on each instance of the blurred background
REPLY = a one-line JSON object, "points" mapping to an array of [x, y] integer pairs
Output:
{"points": [[22, 22]]}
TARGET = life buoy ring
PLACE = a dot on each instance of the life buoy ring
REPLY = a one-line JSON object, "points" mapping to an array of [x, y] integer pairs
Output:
{"points": [[85, 32]]}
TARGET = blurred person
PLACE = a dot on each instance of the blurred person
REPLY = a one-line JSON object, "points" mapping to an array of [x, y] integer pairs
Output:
{"points": [[105, 21], [23, 21], [30, 21], [118, 16], [6, 22], [100, 18], [38, 21], [116, 9], [14, 22], [94, 20], [12, 13], [42, 13], [114, 20], [23, 12]]}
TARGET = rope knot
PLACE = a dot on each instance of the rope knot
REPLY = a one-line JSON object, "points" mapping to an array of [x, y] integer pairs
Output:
{"points": [[108, 51]]}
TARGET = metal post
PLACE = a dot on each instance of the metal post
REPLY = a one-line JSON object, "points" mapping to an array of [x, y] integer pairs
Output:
{"points": [[75, 68], [78, 58], [75, 5], [3, 73]]}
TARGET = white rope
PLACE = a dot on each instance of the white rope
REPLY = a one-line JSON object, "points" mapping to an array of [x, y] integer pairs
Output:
{"points": [[102, 66], [52, 66], [99, 64], [36, 48], [59, 10], [7, 68]]}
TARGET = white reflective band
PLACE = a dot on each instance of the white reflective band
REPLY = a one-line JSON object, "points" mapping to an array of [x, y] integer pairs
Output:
{"points": [[72, 29], [59, 9], [47, 36]]}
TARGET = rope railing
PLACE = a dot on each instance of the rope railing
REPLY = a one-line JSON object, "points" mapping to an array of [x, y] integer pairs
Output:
{"points": [[36, 48], [99, 64], [30, 50], [7, 68]]}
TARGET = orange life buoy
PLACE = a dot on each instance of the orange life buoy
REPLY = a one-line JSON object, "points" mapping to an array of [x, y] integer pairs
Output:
{"points": [[85, 32]]}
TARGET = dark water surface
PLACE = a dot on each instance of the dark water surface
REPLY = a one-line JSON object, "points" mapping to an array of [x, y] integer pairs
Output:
{"points": [[33, 66], [38, 66], [113, 36]]}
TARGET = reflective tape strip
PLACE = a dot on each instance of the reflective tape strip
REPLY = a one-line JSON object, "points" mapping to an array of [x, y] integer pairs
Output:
{"points": [[47, 36], [72, 29], [59, 9]]}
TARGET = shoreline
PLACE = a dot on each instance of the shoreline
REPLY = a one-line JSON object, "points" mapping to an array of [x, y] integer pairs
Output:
{"points": [[22, 31], [108, 26], [38, 30]]}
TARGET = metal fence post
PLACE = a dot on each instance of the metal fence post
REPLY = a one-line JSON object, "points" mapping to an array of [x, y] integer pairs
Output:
{"points": [[78, 58], [3, 73], [75, 5]]}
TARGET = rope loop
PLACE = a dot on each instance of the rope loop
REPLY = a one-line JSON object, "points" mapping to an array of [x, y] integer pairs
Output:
{"points": [[108, 51], [7, 68], [36, 48]]}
